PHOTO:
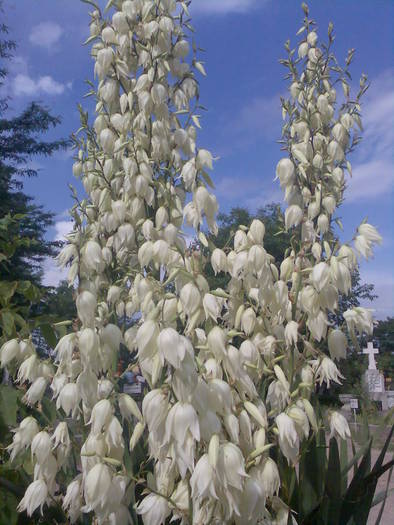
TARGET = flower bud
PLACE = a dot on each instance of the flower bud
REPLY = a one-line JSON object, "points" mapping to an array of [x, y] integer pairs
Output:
{"points": [[303, 50]]}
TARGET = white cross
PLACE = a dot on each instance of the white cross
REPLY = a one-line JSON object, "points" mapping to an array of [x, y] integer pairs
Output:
{"points": [[370, 350]]}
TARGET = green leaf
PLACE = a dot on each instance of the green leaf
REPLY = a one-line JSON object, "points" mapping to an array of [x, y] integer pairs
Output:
{"points": [[8, 404], [49, 334], [333, 484], [354, 502], [48, 409], [355, 459], [7, 320], [312, 474], [7, 290]]}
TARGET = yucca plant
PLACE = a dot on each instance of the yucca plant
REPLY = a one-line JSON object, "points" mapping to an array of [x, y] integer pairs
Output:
{"points": [[329, 488]]}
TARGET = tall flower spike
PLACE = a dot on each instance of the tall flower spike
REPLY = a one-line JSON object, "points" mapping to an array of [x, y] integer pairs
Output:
{"points": [[205, 354]]}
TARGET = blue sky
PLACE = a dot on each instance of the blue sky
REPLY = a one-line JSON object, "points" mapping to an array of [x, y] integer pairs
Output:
{"points": [[243, 40]]}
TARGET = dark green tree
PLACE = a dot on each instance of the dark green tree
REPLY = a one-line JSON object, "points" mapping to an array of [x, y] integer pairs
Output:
{"points": [[20, 142], [384, 336]]}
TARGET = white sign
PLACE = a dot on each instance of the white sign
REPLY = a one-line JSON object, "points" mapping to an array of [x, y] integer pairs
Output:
{"points": [[354, 403]]}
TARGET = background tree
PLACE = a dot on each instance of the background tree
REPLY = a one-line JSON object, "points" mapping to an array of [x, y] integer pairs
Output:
{"points": [[384, 334], [20, 141]]}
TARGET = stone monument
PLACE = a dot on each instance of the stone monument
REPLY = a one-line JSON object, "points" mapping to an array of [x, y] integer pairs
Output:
{"points": [[373, 380]]}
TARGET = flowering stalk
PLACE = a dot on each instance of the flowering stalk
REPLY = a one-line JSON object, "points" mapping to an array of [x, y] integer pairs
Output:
{"points": [[230, 372]]}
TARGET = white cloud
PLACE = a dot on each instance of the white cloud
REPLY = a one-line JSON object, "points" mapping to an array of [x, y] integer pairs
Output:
{"points": [[46, 34], [370, 180], [263, 198], [53, 275], [373, 168], [18, 65], [63, 228], [383, 306], [23, 84], [247, 192]]}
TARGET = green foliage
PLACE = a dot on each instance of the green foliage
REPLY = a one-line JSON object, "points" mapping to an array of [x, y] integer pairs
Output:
{"points": [[320, 494], [384, 333], [16, 297], [20, 141]]}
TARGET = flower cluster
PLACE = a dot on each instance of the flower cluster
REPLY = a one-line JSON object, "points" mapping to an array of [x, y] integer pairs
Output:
{"points": [[231, 373]]}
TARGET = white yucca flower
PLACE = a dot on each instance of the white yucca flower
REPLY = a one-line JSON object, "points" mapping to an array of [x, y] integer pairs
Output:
{"points": [[288, 437], [35, 497], [338, 425]]}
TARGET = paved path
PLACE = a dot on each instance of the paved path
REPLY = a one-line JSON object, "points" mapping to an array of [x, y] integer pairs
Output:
{"points": [[388, 514]]}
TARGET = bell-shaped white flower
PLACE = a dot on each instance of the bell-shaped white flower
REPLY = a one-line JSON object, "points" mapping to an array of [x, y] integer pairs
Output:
{"points": [[217, 342], [359, 319], [41, 446], [231, 466], [285, 172], [337, 344], [291, 333], [257, 231], [86, 306], [72, 502], [182, 419], [327, 371], [293, 216], [154, 509], [338, 425], [268, 475], [288, 437], [36, 391], [155, 409], [190, 298], [218, 261], [101, 416], [147, 339], [69, 399], [202, 481], [171, 347], [97, 485], [92, 256], [248, 321], [9, 351], [35, 497], [128, 407], [320, 275], [370, 233]]}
